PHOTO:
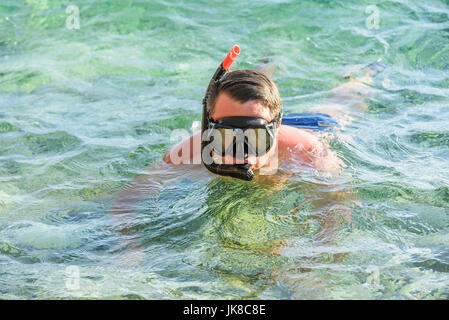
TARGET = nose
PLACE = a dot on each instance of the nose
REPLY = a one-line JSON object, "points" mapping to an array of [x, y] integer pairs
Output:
{"points": [[252, 160], [230, 160]]}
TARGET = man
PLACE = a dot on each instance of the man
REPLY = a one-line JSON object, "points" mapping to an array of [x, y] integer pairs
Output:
{"points": [[246, 94], [251, 94]]}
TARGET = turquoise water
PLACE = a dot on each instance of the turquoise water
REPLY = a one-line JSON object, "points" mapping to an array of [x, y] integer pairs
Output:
{"points": [[84, 111]]}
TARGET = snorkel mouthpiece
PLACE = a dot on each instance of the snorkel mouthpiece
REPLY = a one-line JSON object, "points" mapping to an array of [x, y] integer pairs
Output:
{"points": [[240, 171]]}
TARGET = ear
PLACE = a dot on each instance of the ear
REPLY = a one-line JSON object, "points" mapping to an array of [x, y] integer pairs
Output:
{"points": [[280, 120]]}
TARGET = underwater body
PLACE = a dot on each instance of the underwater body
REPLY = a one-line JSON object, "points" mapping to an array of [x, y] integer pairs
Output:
{"points": [[85, 109]]}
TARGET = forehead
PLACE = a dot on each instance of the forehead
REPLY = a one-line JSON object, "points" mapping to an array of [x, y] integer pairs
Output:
{"points": [[225, 106]]}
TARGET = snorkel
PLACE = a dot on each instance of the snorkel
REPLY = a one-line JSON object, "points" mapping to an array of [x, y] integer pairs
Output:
{"points": [[239, 171]]}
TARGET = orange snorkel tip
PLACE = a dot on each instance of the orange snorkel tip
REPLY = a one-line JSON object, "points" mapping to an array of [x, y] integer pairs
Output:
{"points": [[231, 56]]}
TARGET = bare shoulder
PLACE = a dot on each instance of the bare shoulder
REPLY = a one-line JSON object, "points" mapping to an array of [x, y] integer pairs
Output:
{"points": [[187, 151], [290, 137], [306, 146]]}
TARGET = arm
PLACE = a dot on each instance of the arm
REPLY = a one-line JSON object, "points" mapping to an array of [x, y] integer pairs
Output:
{"points": [[123, 211], [304, 148], [149, 185]]}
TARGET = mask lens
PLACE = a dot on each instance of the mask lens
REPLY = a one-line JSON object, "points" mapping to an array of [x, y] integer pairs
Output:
{"points": [[223, 144], [259, 141], [229, 137]]}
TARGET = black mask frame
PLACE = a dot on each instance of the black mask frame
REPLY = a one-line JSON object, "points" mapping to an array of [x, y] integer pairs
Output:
{"points": [[239, 126]]}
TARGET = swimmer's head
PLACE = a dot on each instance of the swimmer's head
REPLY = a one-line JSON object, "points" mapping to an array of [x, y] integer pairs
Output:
{"points": [[246, 93], [240, 100]]}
